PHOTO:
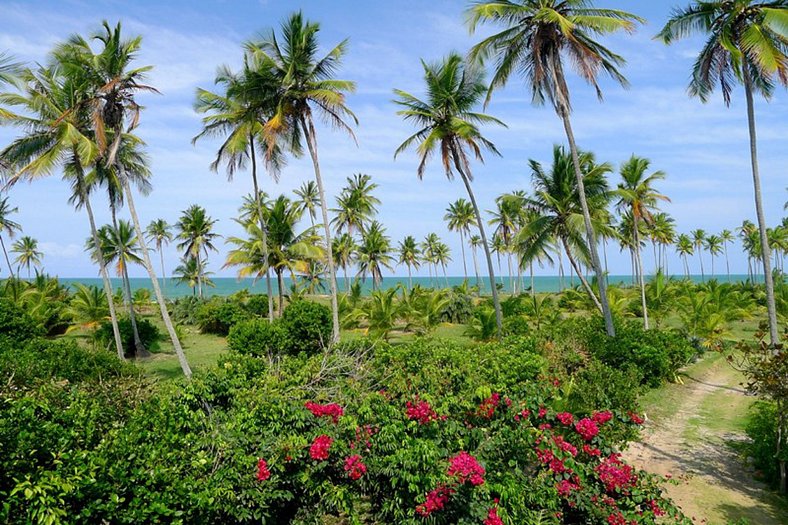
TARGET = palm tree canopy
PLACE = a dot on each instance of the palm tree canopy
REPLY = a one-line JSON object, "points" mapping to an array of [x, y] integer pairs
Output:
{"points": [[159, 232], [447, 120], [743, 37], [636, 191], [408, 252], [118, 245], [460, 216], [6, 224], [536, 36], [27, 252], [195, 230]]}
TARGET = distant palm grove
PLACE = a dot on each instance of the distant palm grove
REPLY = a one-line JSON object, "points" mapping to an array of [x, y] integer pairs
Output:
{"points": [[313, 363]]}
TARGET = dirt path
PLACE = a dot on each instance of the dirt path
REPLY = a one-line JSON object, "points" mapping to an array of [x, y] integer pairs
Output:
{"points": [[693, 445]]}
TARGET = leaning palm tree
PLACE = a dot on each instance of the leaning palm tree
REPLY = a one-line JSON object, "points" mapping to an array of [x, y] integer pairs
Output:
{"points": [[160, 234], [460, 218], [637, 195], [195, 231], [409, 255], [447, 121], [374, 253], [27, 253], [305, 87], [538, 37], [748, 43], [8, 227]]}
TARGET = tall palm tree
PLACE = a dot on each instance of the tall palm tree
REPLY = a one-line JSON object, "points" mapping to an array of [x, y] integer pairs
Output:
{"points": [[637, 195], [195, 231], [27, 253], [409, 255], [460, 218], [56, 134], [447, 122], [560, 214], [238, 113], [746, 231], [119, 246], [746, 43], [344, 248], [192, 272], [305, 86], [505, 218], [429, 248], [538, 36], [374, 253], [714, 245], [727, 238], [698, 240], [7, 226], [442, 255], [308, 199], [685, 248], [663, 234], [113, 84], [475, 242], [355, 205], [160, 234]]}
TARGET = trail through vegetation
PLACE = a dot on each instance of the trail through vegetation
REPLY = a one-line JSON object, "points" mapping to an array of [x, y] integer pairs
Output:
{"points": [[691, 437]]}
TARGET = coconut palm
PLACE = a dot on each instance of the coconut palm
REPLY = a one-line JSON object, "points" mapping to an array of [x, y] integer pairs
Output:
{"points": [[344, 248], [637, 195], [442, 255], [87, 307], [160, 234], [195, 231], [459, 218], [192, 273], [308, 199], [727, 238], [7, 226], [748, 43], [505, 218], [560, 213], [698, 240], [27, 253], [374, 253], [409, 255], [714, 246], [355, 205], [475, 241], [429, 247], [685, 248], [57, 134], [663, 234], [538, 36], [447, 122], [306, 86]]}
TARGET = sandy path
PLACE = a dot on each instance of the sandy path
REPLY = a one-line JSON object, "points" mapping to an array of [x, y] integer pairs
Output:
{"points": [[714, 486]]}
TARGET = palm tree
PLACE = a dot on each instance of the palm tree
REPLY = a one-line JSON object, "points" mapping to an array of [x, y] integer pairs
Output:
{"points": [[119, 246], [459, 217], [746, 231], [685, 248], [27, 253], [195, 230], [442, 255], [663, 234], [447, 121], [714, 245], [475, 241], [537, 37], [559, 212], [374, 253], [7, 226], [746, 43], [698, 239], [344, 248], [305, 86], [112, 85], [308, 199], [429, 248], [160, 234], [355, 205], [727, 238], [239, 113], [505, 218], [637, 195], [57, 134], [192, 273], [87, 307], [409, 255]]}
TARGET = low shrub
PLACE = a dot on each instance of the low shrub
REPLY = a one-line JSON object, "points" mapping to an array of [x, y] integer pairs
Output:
{"points": [[308, 326], [257, 305], [761, 428], [258, 338], [16, 326], [218, 316], [458, 308], [149, 333], [184, 309]]}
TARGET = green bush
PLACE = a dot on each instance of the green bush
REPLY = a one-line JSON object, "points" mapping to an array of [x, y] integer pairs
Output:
{"points": [[458, 308], [258, 338], [762, 430], [308, 326], [184, 309], [16, 326], [149, 333], [257, 305], [218, 316]]}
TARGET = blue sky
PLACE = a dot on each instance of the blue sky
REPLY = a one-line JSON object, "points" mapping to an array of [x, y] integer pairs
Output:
{"points": [[703, 148]]}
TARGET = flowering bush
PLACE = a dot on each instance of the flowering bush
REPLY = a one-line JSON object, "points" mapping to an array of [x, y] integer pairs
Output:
{"points": [[331, 410]]}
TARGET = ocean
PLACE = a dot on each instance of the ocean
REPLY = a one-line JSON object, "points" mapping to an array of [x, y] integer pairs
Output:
{"points": [[229, 285]]}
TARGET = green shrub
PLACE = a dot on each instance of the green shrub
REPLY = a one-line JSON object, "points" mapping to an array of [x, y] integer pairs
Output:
{"points": [[308, 326], [218, 316], [762, 430], [149, 333], [184, 309], [257, 305], [258, 338], [16, 326], [458, 308]]}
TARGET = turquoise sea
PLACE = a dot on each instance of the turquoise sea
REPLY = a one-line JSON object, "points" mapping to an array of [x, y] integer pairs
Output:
{"points": [[230, 285]]}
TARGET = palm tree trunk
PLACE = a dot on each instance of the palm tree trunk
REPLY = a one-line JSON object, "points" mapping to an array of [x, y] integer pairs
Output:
{"points": [[281, 285], [347, 281], [139, 348], [311, 140], [480, 224], [756, 181], [161, 260], [640, 271], [702, 273], [533, 289], [187, 371], [410, 279], [511, 277], [479, 283], [7, 261], [103, 270], [606, 313], [464, 262], [604, 255], [583, 280], [263, 227]]}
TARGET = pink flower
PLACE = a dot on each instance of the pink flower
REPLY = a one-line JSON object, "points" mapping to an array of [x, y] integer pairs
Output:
{"points": [[655, 508], [565, 487], [600, 418], [466, 468], [331, 410], [565, 418], [542, 412], [591, 451], [565, 445], [617, 519], [422, 412], [616, 475], [587, 428], [262, 470], [636, 419], [320, 446], [492, 517], [488, 406], [354, 467], [436, 499]]}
